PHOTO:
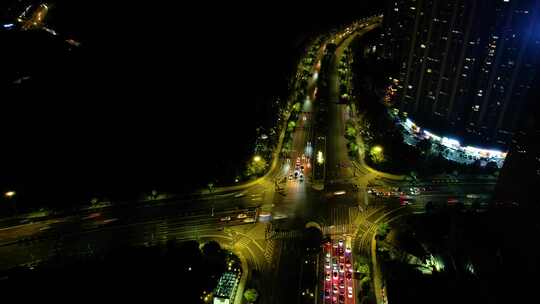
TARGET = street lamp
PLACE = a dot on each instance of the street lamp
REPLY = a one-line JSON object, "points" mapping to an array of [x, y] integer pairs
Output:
{"points": [[320, 158], [11, 196], [257, 158], [376, 149]]}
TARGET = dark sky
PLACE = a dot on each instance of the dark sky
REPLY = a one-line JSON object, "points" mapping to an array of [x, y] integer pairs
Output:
{"points": [[158, 93]]}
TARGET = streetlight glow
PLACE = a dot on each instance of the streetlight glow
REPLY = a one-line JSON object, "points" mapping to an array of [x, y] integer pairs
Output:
{"points": [[257, 158], [377, 149], [320, 158], [10, 194]]}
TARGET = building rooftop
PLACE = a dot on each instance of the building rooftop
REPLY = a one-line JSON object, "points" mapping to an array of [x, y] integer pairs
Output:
{"points": [[226, 285]]}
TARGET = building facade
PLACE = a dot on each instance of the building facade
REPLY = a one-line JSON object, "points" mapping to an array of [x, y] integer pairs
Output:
{"points": [[519, 178], [465, 65]]}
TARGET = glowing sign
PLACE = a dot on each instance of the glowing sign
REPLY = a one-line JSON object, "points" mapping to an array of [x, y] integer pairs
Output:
{"points": [[409, 123], [449, 142], [430, 135]]}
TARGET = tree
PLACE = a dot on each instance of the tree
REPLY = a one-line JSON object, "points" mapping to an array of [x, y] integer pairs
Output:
{"points": [[256, 167], [291, 126], [364, 283], [297, 106], [251, 295], [383, 230], [350, 131], [376, 154], [364, 269]]}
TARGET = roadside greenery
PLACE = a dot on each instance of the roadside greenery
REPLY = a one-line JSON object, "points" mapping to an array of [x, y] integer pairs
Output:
{"points": [[350, 135], [382, 230], [251, 295], [256, 167]]}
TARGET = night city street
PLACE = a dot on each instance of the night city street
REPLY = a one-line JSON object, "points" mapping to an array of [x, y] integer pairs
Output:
{"points": [[231, 153]]}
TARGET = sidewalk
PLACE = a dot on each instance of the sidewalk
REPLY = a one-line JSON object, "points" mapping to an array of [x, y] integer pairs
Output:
{"points": [[239, 297]]}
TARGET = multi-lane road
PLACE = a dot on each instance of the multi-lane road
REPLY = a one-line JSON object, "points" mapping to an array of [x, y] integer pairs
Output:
{"points": [[338, 272]]}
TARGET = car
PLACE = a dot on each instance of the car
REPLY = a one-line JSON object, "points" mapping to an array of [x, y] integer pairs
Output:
{"points": [[328, 277], [301, 177], [327, 294], [290, 177], [109, 220], [348, 250], [348, 275], [249, 220], [341, 299], [328, 254], [348, 263], [295, 174], [327, 265], [342, 284], [335, 289], [242, 215], [335, 275], [225, 218], [335, 245], [341, 268]]}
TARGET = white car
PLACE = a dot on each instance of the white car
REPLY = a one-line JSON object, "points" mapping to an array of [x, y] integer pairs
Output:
{"points": [[349, 292]]}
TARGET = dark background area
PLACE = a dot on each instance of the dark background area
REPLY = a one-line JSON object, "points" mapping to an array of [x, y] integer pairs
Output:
{"points": [[159, 95], [165, 272]]}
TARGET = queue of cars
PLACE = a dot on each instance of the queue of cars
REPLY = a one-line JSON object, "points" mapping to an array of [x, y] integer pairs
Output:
{"points": [[338, 284], [299, 167]]}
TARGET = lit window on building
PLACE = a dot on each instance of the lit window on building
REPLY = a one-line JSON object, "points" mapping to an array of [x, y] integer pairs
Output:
{"points": [[476, 108]]}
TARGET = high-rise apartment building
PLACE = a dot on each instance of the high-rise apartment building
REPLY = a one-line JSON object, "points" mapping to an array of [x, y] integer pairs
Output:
{"points": [[520, 176], [466, 65]]}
